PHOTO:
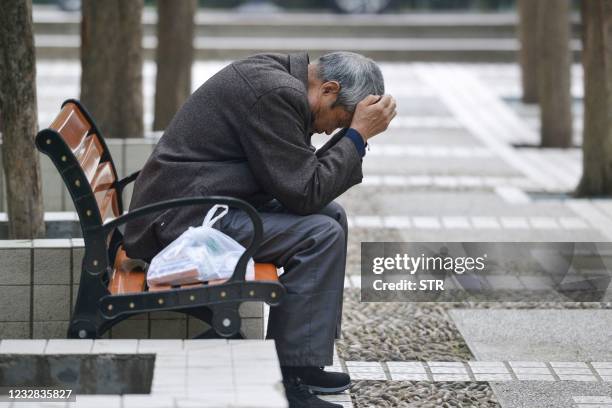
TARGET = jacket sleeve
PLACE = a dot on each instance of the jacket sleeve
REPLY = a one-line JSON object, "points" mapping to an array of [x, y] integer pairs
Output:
{"points": [[275, 145]]}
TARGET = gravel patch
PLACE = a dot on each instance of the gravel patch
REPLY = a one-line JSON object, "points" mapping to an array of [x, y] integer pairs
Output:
{"points": [[422, 394], [398, 331]]}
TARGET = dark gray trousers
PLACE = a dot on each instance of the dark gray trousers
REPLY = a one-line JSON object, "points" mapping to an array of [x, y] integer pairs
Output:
{"points": [[312, 251]]}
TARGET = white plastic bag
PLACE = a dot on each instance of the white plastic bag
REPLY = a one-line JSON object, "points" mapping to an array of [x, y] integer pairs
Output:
{"points": [[199, 254]]}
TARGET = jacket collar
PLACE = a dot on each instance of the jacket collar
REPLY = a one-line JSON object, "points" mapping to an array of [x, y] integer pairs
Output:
{"points": [[298, 67]]}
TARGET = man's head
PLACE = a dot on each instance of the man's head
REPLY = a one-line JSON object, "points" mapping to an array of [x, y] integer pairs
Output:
{"points": [[337, 82]]}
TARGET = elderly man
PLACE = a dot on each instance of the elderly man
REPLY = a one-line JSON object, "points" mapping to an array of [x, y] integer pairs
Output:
{"points": [[246, 133]]}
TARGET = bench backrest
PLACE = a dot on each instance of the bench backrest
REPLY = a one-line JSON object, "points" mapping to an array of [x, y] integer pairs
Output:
{"points": [[76, 147]]}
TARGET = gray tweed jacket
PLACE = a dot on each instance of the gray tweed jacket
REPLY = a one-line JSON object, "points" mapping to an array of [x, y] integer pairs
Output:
{"points": [[244, 133]]}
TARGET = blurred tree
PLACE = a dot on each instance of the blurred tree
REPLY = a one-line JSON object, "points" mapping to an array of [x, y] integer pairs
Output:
{"points": [[554, 73], [111, 61], [597, 63], [19, 120], [175, 27], [528, 55]]}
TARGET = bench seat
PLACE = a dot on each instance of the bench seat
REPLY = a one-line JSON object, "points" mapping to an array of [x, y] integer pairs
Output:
{"points": [[129, 277]]}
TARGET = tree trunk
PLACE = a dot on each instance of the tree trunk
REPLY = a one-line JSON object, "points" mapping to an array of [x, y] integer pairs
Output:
{"points": [[175, 27], [528, 54], [597, 63], [111, 61], [19, 119], [554, 73]]}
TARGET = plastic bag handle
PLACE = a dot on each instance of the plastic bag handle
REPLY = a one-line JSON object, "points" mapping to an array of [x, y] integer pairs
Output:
{"points": [[209, 221]]}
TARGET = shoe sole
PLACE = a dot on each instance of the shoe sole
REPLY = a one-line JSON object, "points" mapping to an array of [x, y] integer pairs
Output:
{"points": [[327, 391]]}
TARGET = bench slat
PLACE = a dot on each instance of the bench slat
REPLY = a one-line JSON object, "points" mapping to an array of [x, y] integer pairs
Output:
{"points": [[103, 179], [89, 156], [107, 203], [72, 125]]}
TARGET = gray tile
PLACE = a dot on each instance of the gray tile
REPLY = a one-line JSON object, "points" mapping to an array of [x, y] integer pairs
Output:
{"points": [[195, 327], [14, 330], [51, 302], [77, 260], [50, 330], [52, 265], [169, 329], [251, 309], [252, 328], [14, 303], [15, 266], [167, 315], [75, 292], [131, 329]]}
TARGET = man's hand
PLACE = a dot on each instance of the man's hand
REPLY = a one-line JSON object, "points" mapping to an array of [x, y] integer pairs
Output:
{"points": [[373, 115]]}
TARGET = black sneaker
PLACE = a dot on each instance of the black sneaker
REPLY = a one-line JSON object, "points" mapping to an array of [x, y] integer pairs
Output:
{"points": [[324, 382], [299, 396]]}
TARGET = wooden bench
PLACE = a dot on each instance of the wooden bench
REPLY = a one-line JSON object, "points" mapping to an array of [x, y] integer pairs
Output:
{"points": [[112, 287]]}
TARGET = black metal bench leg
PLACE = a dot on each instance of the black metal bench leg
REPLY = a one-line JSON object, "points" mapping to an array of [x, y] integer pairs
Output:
{"points": [[83, 327]]}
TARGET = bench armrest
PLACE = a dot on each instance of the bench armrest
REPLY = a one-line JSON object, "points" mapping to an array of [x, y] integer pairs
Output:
{"points": [[120, 184], [240, 270]]}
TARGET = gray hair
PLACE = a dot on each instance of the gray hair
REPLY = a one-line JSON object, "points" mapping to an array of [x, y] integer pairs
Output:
{"points": [[357, 75]]}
